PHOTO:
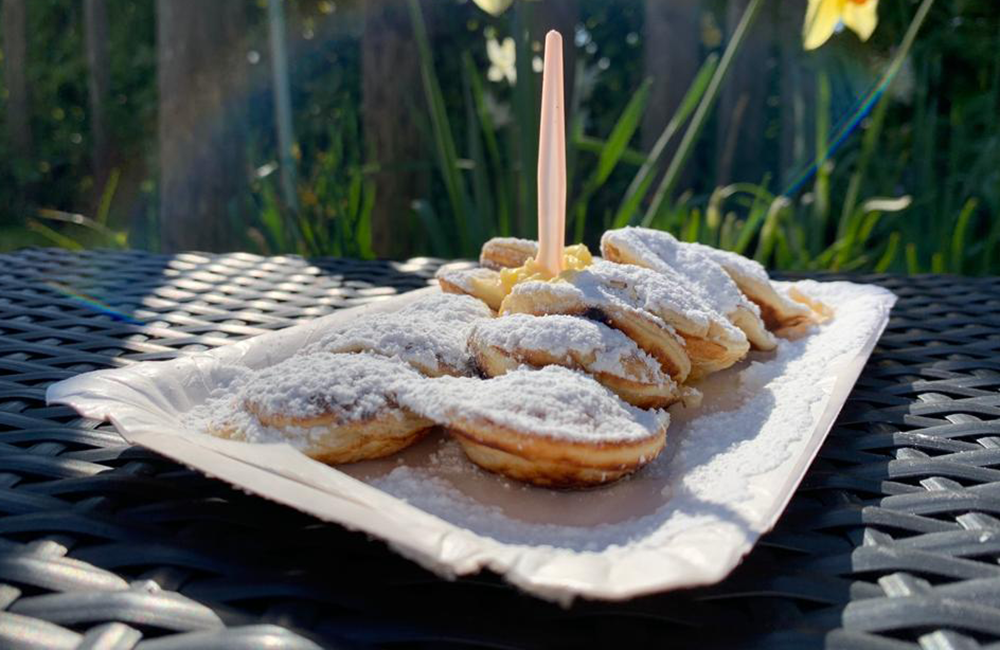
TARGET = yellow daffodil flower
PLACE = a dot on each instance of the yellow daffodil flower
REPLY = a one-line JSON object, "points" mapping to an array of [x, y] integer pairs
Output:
{"points": [[823, 16], [494, 7]]}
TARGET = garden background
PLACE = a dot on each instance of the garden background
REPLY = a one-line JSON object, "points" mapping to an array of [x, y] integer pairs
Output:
{"points": [[392, 128]]}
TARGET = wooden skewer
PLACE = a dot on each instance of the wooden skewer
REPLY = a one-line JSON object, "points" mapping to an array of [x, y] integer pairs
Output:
{"points": [[552, 160]]}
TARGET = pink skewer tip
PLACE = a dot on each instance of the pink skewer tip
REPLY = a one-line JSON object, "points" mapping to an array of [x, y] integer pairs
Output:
{"points": [[552, 160]]}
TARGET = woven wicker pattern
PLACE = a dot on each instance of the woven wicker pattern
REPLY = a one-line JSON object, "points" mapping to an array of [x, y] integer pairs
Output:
{"points": [[892, 541]]}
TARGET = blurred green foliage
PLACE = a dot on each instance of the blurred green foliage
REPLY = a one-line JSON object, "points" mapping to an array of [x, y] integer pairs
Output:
{"points": [[915, 188]]}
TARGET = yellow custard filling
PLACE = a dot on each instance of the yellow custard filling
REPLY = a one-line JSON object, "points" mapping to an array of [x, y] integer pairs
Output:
{"points": [[494, 290]]}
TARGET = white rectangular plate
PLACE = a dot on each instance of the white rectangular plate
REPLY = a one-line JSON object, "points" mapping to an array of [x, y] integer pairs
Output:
{"points": [[687, 519]]}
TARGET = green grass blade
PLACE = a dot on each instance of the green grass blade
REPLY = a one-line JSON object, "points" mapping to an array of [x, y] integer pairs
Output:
{"points": [[769, 232], [758, 212], [727, 234], [443, 140], [856, 263], [693, 226], [590, 144], [631, 204], [364, 232], [867, 226], [526, 99], [111, 236], [797, 242], [857, 231], [621, 134], [440, 242], [869, 145], [481, 212], [666, 186], [307, 244], [54, 236], [912, 263], [825, 259], [495, 167], [107, 195], [821, 184], [783, 257], [643, 179], [354, 194], [713, 217], [959, 236], [271, 220], [610, 154], [889, 256], [988, 264]]}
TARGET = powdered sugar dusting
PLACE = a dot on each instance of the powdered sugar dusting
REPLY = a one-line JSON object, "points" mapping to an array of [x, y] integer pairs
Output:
{"points": [[529, 246], [684, 520], [357, 385], [756, 417], [554, 402], [651, 291], [662, 252], [744, 265], [431, 333], [350, 387], [558, 335], [462, 276]]}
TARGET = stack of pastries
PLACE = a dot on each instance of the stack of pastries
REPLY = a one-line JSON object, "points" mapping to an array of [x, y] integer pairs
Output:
{"points": [[559, 382]]}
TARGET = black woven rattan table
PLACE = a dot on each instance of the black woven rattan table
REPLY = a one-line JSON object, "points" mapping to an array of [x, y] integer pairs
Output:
{"points": [[891, 542]]}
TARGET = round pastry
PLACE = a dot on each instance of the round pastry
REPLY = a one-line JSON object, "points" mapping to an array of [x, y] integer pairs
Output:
{"points": [[477, 282], [711, 341], [507, 252], [649, 332], [621, 295], [503, 344], [663, 253], [551, 427], [430, 334], [335, 408], [506, 262], [776, 309]]}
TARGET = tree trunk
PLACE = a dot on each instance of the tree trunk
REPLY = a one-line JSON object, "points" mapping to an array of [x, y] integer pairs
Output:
{"points": [[671, 57], [390, 78], [201, 69], [95, 18], [13, 17]]}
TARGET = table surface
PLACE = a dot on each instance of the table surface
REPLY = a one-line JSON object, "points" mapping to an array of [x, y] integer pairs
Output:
{"points": [[891, 542]]}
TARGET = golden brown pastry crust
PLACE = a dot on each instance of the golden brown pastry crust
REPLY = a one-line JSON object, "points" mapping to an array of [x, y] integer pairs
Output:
{"points": [[649, 333], [614, 249], [507, 253], [347, 441], [494, 361], [547, 462], [776, 311], [472, 282]]}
